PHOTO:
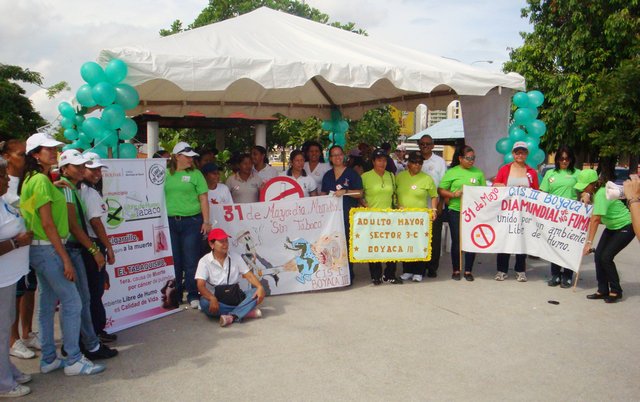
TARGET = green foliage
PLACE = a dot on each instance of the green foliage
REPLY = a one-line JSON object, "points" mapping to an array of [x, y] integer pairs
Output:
{"points": [[220, 10], [375, 127], [18, 118], [293, 132], [575, 56]]}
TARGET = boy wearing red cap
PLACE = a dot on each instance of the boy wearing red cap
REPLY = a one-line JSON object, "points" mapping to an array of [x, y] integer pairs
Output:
{"points": [[220, 268]]}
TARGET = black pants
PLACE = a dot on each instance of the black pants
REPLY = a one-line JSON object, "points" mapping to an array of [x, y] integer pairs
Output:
{"points": [[436, 243], [375, 268], [96, 280], [503, 262], [611, 243], [567, 274], [414, 267], [469, 258]]}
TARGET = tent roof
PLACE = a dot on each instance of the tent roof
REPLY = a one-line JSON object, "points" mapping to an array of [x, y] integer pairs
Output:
{"points": [[267, 62], [447, 129]]}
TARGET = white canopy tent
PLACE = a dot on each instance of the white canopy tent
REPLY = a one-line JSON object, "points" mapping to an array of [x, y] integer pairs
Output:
{"points": [[266, 62]]}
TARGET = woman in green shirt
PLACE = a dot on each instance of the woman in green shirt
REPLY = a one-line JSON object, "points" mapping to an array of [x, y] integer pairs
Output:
{"points": [[185, 190], [461, 173], [617, 234], [560, 181]]}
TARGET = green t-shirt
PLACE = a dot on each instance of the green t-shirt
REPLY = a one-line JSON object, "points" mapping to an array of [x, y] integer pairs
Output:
{"points": [[456, 177], [70, 196], [378, 191], [181, 191], [613, 212], [415, 191], [37, 191], [560, 183]]}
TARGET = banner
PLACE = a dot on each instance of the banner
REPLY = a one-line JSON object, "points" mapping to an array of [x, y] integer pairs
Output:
{"points": [[390, 234], [142, 278], [291, 245], [525, 221]]}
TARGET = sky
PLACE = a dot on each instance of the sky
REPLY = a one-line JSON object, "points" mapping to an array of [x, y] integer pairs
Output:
{"points": [[55, 38]]}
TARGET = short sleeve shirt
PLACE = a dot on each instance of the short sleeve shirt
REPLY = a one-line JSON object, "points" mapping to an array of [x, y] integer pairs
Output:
{"points": [[307, 183], [560, 183], [37, 191], [318, 172], [613, 212], [415, 191], [220, 195], [95, 207], [181, 191], [378, 190], [11, 196], [267, 173], [210, 270], [435, 167], [70, 196], [457, 177], [15, 263], [245, 191], [348, 180]]}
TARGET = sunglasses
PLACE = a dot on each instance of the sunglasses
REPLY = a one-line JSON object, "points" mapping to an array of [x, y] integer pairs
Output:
{"points": [[186, 149], [564, 159], [425, 144], [469, 158]]}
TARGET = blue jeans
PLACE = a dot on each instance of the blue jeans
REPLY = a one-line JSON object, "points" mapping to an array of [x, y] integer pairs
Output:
{"points": [[53, 286], [469, 258], [242, 309], [185, 246], [89, 337]]}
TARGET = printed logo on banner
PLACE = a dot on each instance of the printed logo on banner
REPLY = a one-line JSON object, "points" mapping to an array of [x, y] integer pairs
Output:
{"points": [[483, 236], [115, 215], [156, 174]]}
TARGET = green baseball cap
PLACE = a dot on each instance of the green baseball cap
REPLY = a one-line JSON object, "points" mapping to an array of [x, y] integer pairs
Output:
{"points": [[585, 177]]}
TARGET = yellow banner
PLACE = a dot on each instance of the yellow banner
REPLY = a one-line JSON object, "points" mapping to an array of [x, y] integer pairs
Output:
{"points": [[405, 120]]}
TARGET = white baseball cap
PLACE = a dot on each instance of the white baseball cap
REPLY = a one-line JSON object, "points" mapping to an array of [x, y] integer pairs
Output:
{"points": [[41, 140], [520, 145], [93, 160], [71, 157], [184, 149]]}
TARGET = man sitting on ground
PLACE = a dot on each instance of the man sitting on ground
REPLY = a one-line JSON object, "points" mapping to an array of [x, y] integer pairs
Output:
{"points": [[222, 269]]}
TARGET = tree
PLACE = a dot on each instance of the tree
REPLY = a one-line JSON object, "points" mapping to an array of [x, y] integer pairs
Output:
{"points": [[220, 10], [18, 118], [582, 57], [375, 127]]}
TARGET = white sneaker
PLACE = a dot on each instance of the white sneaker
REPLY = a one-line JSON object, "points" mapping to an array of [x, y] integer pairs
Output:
{"points": [[195, 304], [226, 320], [255, 313], [501, 276], [83, 366], [417, 278], [49, 367], [23, 378], [406, 277], [33, 341], [521, 277], [19, 390], [20, 351]]}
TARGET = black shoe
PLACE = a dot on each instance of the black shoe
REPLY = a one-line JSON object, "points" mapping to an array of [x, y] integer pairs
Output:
{"points": [[393, 280], [554, 281], [107, 338], [613, 298], [455, 276], [565, 284], [376, 282], [103, 352], [469, 276], [597, 296], [432, 274]]}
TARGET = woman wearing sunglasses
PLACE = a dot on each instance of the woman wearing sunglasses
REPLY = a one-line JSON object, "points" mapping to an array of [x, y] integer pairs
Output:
{"points": [[560, 181], [462, 173]]}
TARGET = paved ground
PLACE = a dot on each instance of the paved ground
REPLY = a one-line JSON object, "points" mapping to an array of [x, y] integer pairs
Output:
{"points": [[435, 340]]}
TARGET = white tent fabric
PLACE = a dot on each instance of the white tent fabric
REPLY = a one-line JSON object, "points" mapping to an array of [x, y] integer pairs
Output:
{"points": [[447, 129], [268, 61]]}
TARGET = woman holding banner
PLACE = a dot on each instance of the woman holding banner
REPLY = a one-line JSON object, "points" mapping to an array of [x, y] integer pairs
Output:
{"points": [[185, 191], [416, 189], [617, 234], [515, 174], [379, 185], [560, 181], [296, 171], [461, 173], [343, 182]]}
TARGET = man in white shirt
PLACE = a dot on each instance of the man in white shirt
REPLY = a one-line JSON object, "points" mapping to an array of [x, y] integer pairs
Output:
{"points": [[220, 268], [435, 167]]}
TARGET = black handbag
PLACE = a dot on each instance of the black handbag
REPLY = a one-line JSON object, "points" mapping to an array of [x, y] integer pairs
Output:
{"points": [[231, 295]]}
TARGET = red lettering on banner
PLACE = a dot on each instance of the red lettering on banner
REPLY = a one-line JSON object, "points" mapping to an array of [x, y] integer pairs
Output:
{"points": [[143, 266], [124, 238]]}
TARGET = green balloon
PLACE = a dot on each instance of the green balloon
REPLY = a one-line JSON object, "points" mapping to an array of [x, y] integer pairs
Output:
{"points": [[508, 158], [504, 145], [127, 151], [92, 73], [521, 99], [116, 71], [103, 93], [128, 129], [71, 134], [85, 97], [536, 98], [127, 96], [113, 116]]}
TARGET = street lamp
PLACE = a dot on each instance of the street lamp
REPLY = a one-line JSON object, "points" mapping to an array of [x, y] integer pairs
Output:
{"points": [[482, 61]]}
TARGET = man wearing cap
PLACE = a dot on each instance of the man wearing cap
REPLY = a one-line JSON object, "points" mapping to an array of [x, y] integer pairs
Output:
{"points": [[220, 267], [435, 167], [218, 192]]}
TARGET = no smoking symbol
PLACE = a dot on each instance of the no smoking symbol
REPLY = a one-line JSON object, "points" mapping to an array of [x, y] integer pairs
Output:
{"points": [[483, 236]]}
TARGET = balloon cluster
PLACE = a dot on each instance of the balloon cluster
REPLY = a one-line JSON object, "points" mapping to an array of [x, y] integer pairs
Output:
{"points": [[337, 128], [104, 89], [526, 127]]}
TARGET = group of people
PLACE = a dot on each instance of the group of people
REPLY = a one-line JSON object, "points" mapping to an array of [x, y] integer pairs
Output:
{"points": [[51, 224]]}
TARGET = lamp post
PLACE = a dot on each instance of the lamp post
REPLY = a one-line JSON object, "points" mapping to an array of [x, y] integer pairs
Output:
{"points": [[482, 61]]}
